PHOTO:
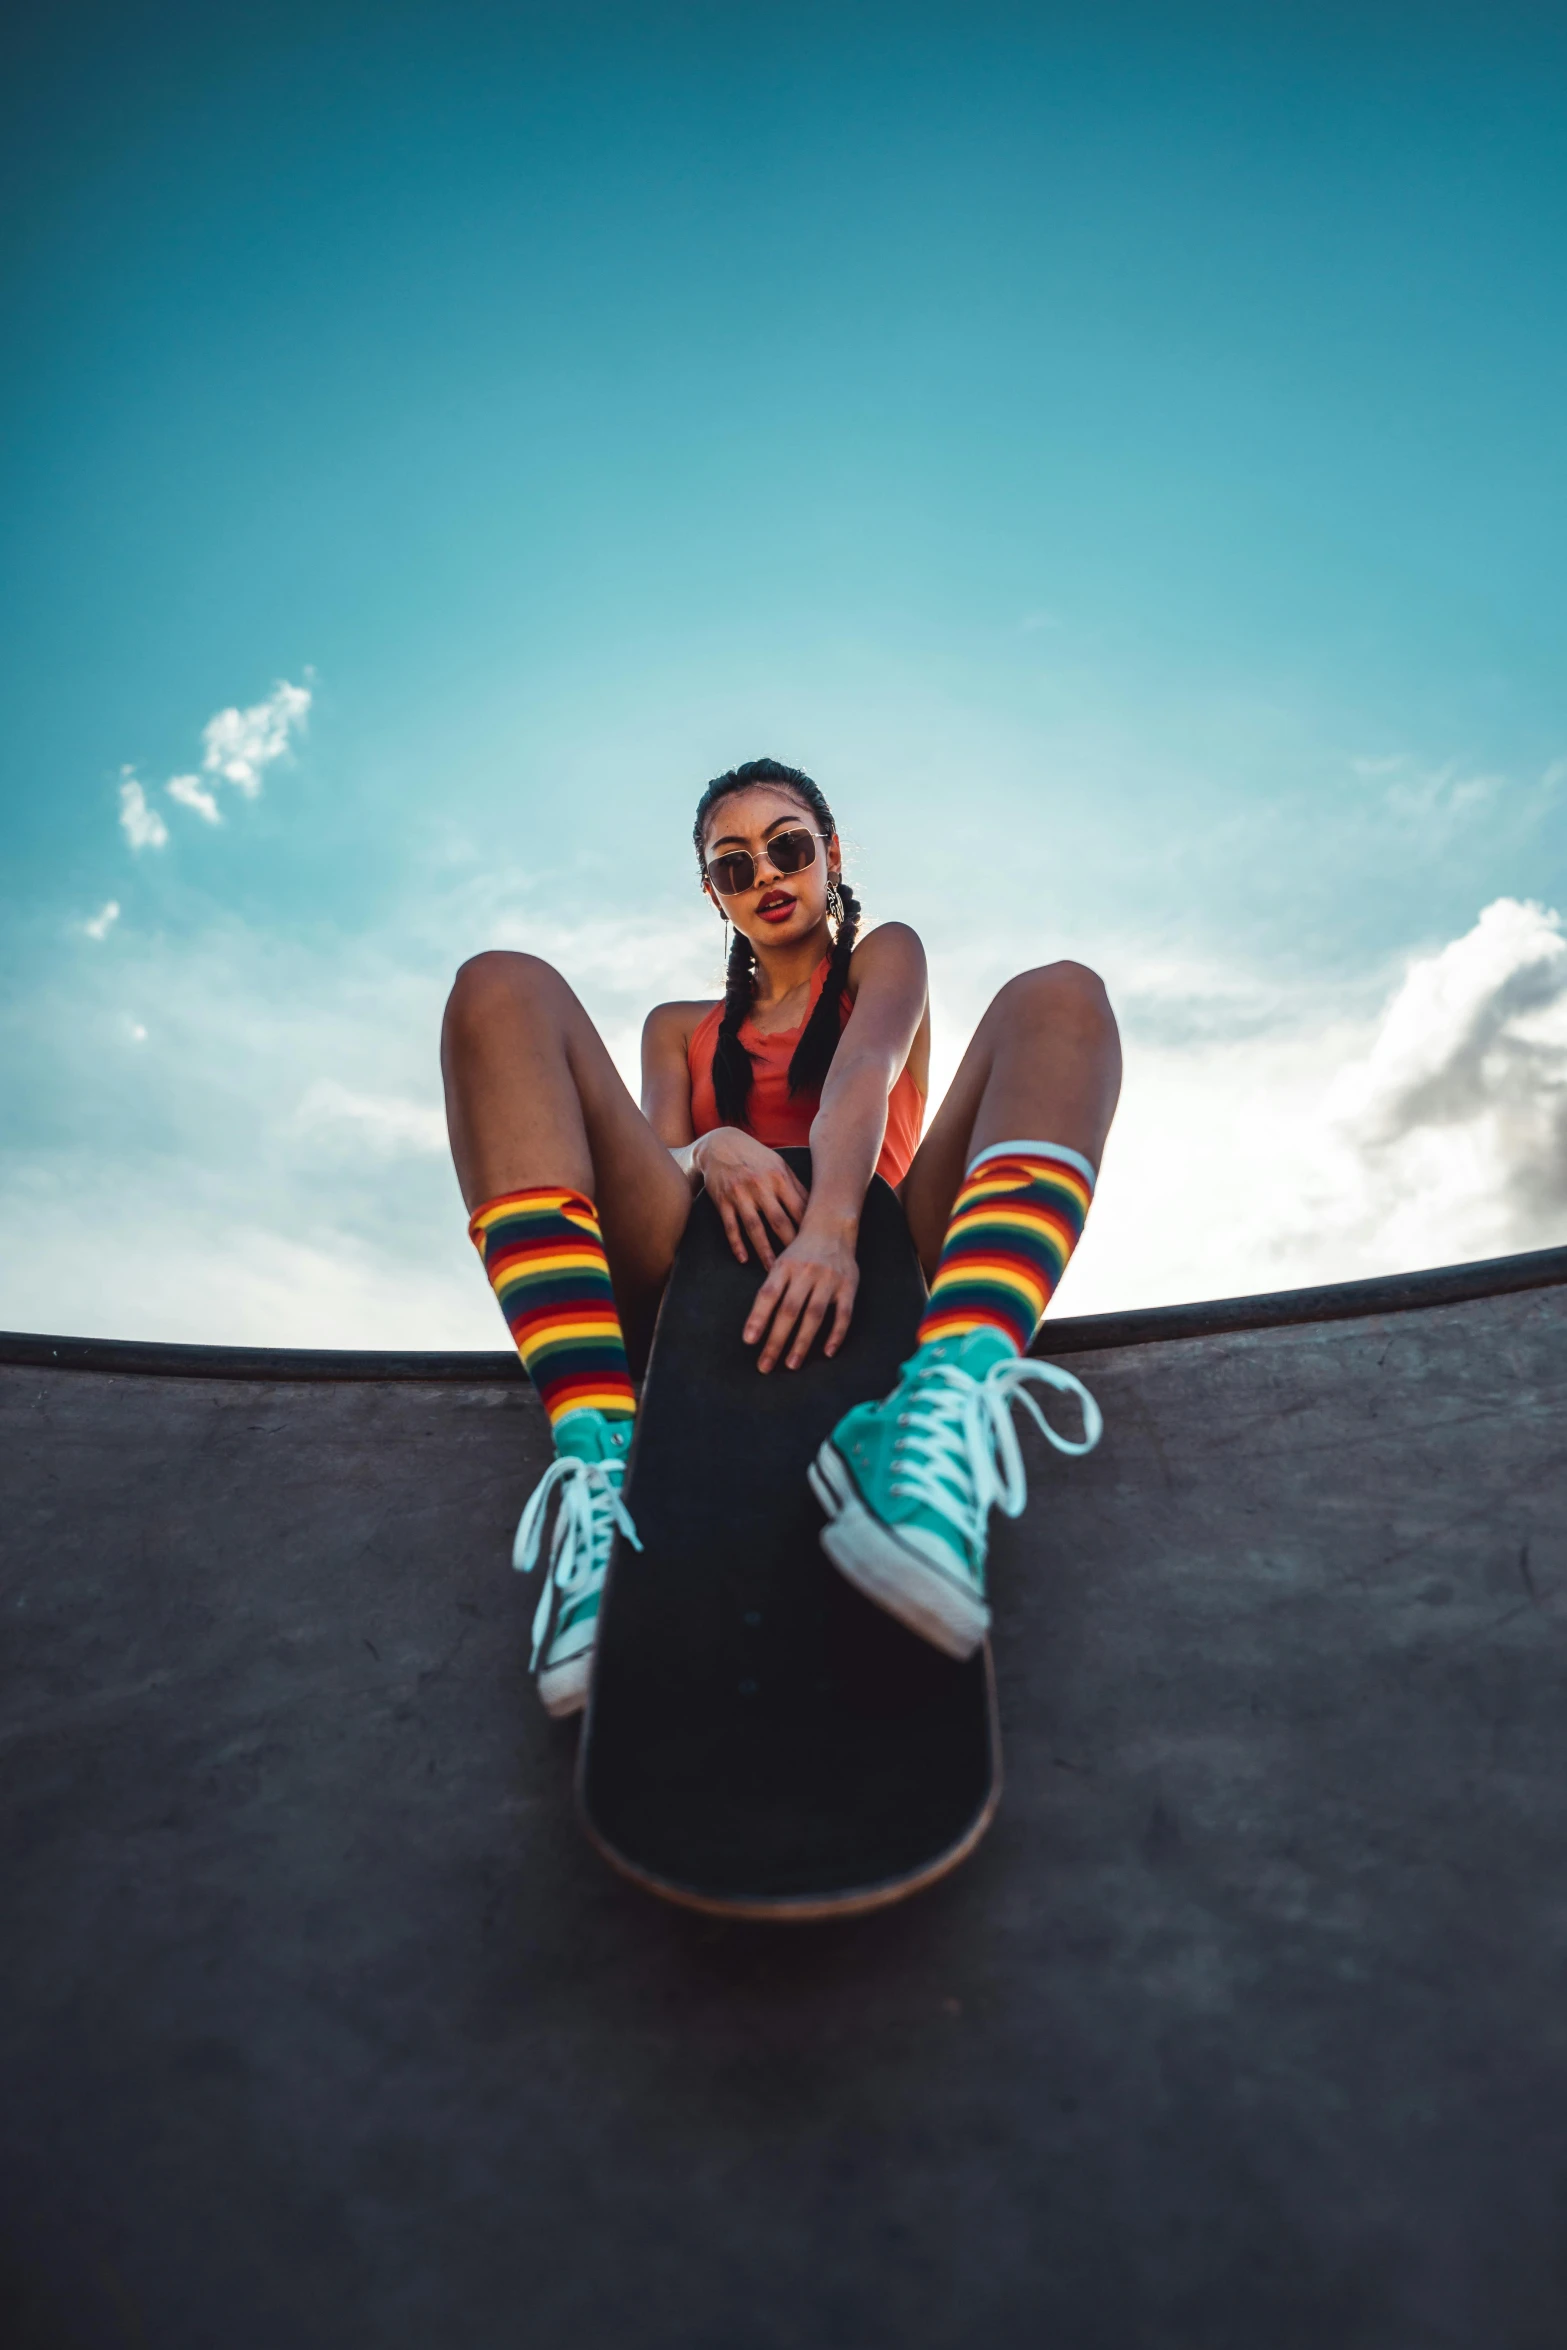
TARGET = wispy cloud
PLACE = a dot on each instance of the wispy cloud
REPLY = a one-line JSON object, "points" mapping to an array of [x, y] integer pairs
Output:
{"points": [[1428, 798], [99, 925], [270, 1155], [192, 793], [241, 744], [142, 826], [388, 1124]]}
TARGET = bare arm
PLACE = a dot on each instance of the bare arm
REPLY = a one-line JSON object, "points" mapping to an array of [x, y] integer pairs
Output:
{"points": [[666, 1076], [755, 1193], [817, 1274], [848, 1129]]}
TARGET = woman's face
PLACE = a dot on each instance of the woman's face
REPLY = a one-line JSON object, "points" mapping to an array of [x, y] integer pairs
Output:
{"points": [[778, 908]]}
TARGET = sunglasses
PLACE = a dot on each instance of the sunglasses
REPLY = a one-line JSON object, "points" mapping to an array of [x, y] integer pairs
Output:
{"points": [[786, 852]]}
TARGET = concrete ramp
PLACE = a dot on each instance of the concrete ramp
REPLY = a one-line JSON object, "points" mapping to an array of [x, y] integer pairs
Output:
{"points": [[322, 2026]]}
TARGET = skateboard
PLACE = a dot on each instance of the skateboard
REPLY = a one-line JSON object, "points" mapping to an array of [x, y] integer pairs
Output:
{"points": [[761, 1740]]}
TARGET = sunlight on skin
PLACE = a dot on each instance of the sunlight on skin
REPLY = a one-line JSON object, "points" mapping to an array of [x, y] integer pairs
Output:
{"points": [[533, 1098]]}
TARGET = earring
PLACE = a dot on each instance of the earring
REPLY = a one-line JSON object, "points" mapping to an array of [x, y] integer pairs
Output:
{"points": [[834, 903]]}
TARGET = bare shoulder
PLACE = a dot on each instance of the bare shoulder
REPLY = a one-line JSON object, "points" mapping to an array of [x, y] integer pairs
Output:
{"points": [[891, 938], [893, 950], [669, 1025]]}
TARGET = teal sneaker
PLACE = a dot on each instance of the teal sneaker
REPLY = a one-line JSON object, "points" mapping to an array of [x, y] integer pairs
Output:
{"points": [[584, 1481], [908, 1484]]}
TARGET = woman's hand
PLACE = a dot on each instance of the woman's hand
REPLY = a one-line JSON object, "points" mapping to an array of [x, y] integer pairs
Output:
{"points": [[752, 1189], [816, 1275]]}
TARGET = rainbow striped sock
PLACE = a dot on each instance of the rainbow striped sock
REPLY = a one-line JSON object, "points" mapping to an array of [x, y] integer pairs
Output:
{"points": [[544, 1254], [1014, 1224]]}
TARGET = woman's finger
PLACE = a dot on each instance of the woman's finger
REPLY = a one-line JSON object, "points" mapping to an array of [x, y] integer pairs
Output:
{"points": [[816, 1304], [792, 1296], [726, 1211], [761, 1306], [842, 1311], [777, 1213], [761, 1238]]}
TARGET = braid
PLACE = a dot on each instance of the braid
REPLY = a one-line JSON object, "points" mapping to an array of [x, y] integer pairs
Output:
{"points": [[731, 1061], [813, 1054]]}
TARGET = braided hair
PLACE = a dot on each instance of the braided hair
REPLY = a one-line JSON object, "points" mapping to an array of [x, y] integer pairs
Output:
{"points": [[812, 1056]]}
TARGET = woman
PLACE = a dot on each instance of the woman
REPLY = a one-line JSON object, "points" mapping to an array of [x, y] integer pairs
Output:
{"points": [[577, 1201]]}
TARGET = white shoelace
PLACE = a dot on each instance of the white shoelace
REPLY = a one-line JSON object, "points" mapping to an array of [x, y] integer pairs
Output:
{"points": [[959, 1452], [589, 1509]]}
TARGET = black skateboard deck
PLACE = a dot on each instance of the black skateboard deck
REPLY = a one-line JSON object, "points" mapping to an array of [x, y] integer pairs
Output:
{"points": [[761, 1740]]}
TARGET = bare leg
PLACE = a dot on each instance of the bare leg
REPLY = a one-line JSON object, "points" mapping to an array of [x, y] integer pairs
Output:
{"points": [[1044, 1065], [532, 1097]]}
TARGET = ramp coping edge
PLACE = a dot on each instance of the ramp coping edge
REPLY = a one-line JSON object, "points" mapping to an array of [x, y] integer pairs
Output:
{"points": [[1336, 1301]]}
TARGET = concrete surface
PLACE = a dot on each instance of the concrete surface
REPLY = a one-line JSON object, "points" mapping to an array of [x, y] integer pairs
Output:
{"points": [[321, 2025]]}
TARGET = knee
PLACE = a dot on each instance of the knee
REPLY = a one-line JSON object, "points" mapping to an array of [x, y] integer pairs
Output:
{"points": [[1060, 996], [497, 985]]}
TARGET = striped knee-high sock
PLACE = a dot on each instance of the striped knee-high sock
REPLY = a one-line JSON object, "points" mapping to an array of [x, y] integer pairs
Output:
{"points": [[544, 1254], [1014, 1224]]}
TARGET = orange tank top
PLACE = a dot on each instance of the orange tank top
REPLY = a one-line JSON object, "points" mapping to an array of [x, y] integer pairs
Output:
{"points": [[773, 1114]]}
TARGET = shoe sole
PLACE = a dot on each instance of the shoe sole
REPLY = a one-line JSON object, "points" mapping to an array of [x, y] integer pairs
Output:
{"points": [[868, 1555], [563, 1688]]}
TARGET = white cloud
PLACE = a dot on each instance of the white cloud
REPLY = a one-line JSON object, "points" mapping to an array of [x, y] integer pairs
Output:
{"points": [[387, 1124], [192, 793], [1463, 1032], [1271, 1132], [142, 826], [241, 744], [1458, 1112], [1218, 1178], [1322, 1144], [100, 924]]}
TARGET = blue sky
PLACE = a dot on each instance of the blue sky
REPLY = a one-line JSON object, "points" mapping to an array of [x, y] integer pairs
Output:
{"points": [[1119, 454]]}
